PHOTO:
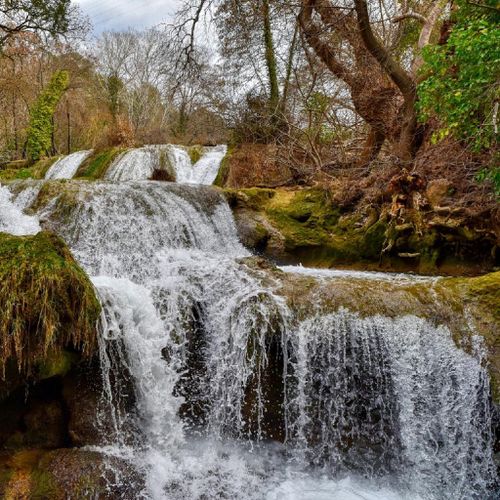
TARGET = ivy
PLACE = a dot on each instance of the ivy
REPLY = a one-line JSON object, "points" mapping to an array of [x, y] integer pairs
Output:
{"points": [[41, 127], [462, 77]]}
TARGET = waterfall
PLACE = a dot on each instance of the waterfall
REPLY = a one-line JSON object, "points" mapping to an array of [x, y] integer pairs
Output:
{"points": [[385, 395], [140, 164], [204, 171], [134, 165], [67, 166], [236, 394], [12, 218]]}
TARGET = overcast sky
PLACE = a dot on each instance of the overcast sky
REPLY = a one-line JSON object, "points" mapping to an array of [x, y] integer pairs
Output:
{"points": [[120, 14]]}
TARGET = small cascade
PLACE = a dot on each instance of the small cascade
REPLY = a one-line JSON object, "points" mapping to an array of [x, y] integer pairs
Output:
{"points": [[141, 164], [67, 166], [135, 165], [12, 218], [236, 394], [392, 396], [204, 171]]}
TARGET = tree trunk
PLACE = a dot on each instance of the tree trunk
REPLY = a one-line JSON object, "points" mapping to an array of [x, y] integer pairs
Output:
{"points": [[68, 132], [14, 125], [270, 54], [52, 138], [371, 148], [289, 68], [407, 144]]}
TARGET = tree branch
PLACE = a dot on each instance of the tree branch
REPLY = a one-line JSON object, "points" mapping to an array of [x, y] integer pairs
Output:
{"points": [[312, 32], [397, 74], [409, 15]]}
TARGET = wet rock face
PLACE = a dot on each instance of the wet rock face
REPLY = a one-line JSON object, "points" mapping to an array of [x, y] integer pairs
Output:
{"points": [[305, 226], [34, 417], [65, 473], [81, 393]]}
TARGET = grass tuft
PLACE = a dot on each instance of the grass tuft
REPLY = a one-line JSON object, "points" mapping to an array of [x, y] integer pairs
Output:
{"points": [[47, 301]]}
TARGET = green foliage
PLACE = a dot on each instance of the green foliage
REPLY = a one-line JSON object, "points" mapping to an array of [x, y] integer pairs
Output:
{"points": [[195, 153], [52, 17], [41, 127], [114, 86], [463, 79], [20, 170], [490, 174]]}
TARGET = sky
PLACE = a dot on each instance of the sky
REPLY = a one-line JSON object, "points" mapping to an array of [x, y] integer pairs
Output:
{"points": [[107, 15]]}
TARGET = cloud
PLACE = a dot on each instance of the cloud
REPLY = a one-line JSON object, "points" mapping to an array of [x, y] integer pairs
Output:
{"points": [[109, 15]]}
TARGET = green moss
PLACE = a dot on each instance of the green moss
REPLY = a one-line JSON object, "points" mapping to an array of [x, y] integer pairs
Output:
{"points": [[311, 227], [96, 165], [43, 485], [46, 299], [56, 364], [195, 153], [21, 170], [65, 192], [224, 168], [309, 223], [373, 240], [479, 299]]}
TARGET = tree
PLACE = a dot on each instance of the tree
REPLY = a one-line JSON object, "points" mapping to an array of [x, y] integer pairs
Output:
{"points": [[461, 88], [383, 90], [247, 32], [41, 126], [51, 17]]}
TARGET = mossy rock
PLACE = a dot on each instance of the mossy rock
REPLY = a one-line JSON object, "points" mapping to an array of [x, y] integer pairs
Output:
{"points": [[478, 300], [223, 173], [67, 473], [310, 228], [22, 170], [97, 164], [47, 303], [66, 195], [467, 306], [306, 227], [195, 153]]}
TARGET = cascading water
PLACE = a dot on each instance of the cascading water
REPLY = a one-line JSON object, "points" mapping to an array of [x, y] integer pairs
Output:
{"points": [[12, 218], [67, 166], [134, 165], [204, 171], [237, 395], [140, 164]]}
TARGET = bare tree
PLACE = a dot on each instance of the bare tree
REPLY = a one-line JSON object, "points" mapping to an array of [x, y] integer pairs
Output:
{"points": [[383, 90], [51, 17]]}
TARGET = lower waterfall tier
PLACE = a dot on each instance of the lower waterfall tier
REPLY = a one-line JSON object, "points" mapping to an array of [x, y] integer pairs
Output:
{"points": [[219, 375]]}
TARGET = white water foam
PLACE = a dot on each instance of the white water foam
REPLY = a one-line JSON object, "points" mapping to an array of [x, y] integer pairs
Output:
{"points": [[140, 164], [67, 166], [12, 218], [135, 165], [357, 275], [204, 171]]}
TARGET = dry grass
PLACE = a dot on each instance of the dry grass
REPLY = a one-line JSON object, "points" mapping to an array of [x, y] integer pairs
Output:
{"points": [[46, 299]]}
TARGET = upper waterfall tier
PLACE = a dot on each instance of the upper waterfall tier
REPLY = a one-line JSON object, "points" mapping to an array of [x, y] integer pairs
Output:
{"points": [[204, 171], [123, 229], [142, 163], [67, 166]]}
